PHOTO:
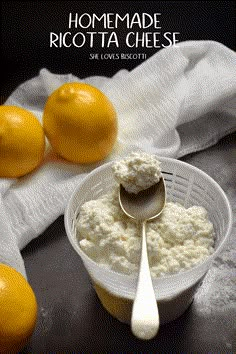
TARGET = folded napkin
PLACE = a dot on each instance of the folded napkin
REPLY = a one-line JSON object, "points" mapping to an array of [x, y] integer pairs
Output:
{"points": [[180, 100]]}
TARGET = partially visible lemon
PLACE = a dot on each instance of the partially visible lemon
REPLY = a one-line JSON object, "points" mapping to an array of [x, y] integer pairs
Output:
{"points": [[22, 141], [18, 310], [80, 122]]}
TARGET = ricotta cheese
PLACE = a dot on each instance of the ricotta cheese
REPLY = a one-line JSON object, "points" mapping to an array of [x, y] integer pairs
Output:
{"points": [[137, 172], [177, 240]]}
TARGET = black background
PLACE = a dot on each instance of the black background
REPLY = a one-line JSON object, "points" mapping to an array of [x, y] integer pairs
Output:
{"points": [[26, 26]]}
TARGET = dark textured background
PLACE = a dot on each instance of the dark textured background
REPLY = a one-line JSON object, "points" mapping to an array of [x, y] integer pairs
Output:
{"points": [[25, 28]]}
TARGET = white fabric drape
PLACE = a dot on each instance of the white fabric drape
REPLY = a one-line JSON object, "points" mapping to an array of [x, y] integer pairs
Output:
{"points": [[180, 100]]}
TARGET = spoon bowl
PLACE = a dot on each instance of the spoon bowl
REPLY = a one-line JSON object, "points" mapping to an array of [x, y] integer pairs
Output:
{"points": [[144, 206]]}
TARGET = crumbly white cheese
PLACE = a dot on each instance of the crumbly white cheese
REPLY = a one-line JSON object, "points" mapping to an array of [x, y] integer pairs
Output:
{"points": [[177, 240], [137, 172]]}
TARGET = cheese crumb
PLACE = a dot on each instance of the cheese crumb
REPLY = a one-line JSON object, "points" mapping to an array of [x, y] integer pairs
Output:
{"points": [[137, 172]]}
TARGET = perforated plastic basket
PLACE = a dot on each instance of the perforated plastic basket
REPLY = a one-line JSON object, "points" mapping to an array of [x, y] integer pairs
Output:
{"points": [[185, 184]]}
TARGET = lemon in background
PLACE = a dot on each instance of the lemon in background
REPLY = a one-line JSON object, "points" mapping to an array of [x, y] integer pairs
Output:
{"points": [[80, 123], [18, 310], [22, 142]]}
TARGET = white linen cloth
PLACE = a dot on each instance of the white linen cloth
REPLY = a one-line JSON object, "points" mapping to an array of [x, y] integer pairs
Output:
{"points": [[180, 100]]}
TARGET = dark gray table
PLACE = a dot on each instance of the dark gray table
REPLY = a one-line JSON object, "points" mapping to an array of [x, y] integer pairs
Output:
{"points": [[71, 318]]}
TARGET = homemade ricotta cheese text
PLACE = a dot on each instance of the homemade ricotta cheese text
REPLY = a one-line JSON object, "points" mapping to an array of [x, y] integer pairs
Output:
{"points": [[138, 30]]}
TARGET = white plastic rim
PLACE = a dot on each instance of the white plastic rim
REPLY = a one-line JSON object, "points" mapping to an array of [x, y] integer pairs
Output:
{"points": [[185, 184]]}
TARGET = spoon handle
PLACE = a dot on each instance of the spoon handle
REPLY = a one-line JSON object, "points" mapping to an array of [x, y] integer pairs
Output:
{"points": [[145, 317]]}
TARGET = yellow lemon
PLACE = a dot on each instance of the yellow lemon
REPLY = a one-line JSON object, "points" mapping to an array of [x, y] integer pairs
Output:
{"points": [[80, 122], [18, 310], [22, 141]]}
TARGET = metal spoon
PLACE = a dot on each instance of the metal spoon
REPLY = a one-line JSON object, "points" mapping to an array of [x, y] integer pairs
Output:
{"points": [[144, 206]]}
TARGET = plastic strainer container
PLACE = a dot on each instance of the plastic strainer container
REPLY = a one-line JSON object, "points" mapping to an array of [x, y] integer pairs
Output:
{"points": [[185, 184]]}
